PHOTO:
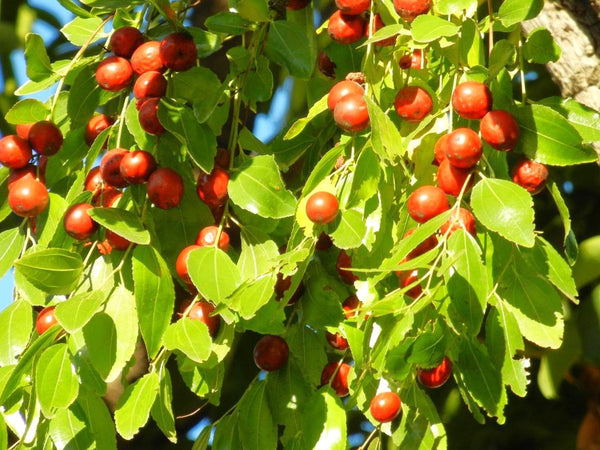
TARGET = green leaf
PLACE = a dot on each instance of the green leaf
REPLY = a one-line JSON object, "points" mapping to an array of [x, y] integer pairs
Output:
{"points": [[366, 177], [69, 429], [259, 81], [348, 230], [427, 28], [100, 336], [142, 139], [512, 12], [252, 295], [38, 62], [535, 304], [385, 134], [81, 31], [256, 425], [124, 223], [213, 273], [99, 420], [3, 433], [254, 10], [162, 411], [15, 329], [74, 313], [480, 376], [306, 348], [587, 266], [429, 348], [134, 405], [445, 7], [198, 138], [322, 169], [324, 422], [189, 336], [50, 221], [11, 244], [468, 285], [54, 270], [549, 138], [154, 296], [228, 23], [201, 86], [287, 45], [258, 253], [506, 208], [256, 186], [85, 94], [28, 110], [585, 120], [540, 47], [503, 54], [299, 125], [56, 383], [226, 433]]}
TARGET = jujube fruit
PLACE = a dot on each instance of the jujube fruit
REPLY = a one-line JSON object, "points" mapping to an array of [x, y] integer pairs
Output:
{"points": [[461, 218], [413, 103], [15, 152], [45, 138], [117, 242], [212, 187], [337, 341], [437, 376], [123, 41], [114, 74], [410, 9], [385, 406], [322, 207], [377, 25], [150, 84], [271, 353], [96, 125], [78, 223], [343, 265], [137, 166], [295, 5], [45, 320], [181, 264], [110, 167], [340, 90], [472, 99], [28, 197], [351, 113], [345, 28], [203, 312], [336, 375], [500, 130], [463, 148], [207, 237], [165, 188], [178, 51], [148, 116], [427, 202], [530, 175], [451, 179], [353, 7], [147, 57], [23, 130]]}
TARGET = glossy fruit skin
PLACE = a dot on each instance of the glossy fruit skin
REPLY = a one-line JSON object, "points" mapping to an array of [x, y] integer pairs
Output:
{"points": [[339, 381], [407, 278], [202, 311], [45, 138], [102, 193], [137, 166], [377, 25], [440, 149], [15, 152], [150, 84], [437, 376], [337, 341], [114, 74], [351, 113], [530, 175], [28, 171], [500, 130], [427, 202], [428, 244], [271, 353], [340, 90], [322, 207], [325, 64], [117, 242], [23, 130], [412, 60], [353, 7], [45, 320], [385, 406], [178, 51], [413, 103], [147, 57], [181, 264], [212, 187], [148, 116], [110, 167], [351, 306], [165, 188], [295, 5], [346, 29], [451, 179], [123, 41], [346, 275], [208, 236], [96, 125], [78, 223], [28, 197], [472, 99], [462, 218], [410, 9], [463, 148]]}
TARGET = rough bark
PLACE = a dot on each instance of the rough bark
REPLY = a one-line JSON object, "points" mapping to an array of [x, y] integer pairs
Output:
{"points": [[575, 26]]}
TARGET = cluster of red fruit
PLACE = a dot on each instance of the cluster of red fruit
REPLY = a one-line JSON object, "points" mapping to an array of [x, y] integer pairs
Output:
{"points": [[148, 60], [27, 193]]}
